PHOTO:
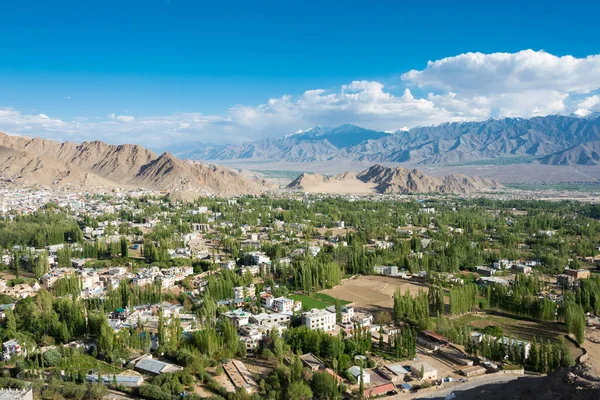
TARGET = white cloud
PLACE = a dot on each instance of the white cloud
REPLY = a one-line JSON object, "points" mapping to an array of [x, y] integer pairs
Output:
{"points": [[466, 87], [590, 103], [510, 72], [125, 118]]}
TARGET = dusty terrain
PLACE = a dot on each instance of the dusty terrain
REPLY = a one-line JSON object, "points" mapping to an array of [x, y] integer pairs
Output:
{"points": [[372, 292], [381, 179], [97, 165]]}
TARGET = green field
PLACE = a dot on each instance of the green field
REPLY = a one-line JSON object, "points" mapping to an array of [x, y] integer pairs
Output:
{"points": [[316, 300]]}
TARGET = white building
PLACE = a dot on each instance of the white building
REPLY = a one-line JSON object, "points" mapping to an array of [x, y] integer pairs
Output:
{"points": [[355, 371], [390, 270], [283, 304], [317, 319], [9, 348]]}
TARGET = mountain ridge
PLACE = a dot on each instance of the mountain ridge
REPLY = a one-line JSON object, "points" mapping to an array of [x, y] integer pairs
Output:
{"points": [[388, 180], [448, 143], [102, 166]]}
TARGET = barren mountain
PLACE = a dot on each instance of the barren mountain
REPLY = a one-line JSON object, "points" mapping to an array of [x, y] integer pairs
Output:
{"points": [[100, 165], [448, 143], [582, 154], [380, 179]]}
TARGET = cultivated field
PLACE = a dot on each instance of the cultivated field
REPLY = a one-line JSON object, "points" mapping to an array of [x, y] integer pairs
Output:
{"points": [[372, 292]]}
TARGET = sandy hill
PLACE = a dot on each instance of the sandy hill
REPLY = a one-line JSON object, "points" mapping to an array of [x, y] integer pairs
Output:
{"points": [[99, 165], [380, 179]]}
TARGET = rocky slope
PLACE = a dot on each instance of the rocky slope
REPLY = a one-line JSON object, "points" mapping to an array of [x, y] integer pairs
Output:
{"points": [[385, 180], [582, 154], [449, 143], [99, 165]]}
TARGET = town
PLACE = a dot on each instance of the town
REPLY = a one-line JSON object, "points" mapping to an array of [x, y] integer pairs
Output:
{"points": [[136, 295]]}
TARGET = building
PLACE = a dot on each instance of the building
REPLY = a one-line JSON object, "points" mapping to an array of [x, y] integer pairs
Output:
{"points": [[422, 370], [239, 375], [283, 304], [577, 273], [432, 340], [379, 390], [355, 372], [484, 271], [566, 281], [13, 394], [10, 348], [311, 361], [151, 366], [394, 373], [456, 356], [266, 300], [127, 379], [347, 313], [391, 270], [319, 319], [473, 370], [522, 269]]}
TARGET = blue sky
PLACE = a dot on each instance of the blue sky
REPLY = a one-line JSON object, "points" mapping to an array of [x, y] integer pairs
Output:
{"points": [[197, 70]]}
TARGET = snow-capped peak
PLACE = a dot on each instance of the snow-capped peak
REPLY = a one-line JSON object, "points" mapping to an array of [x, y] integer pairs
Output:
{"points": [[398, 130], [582, 112]]}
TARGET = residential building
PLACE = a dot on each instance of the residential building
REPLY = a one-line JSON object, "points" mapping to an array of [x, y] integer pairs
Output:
{"points": [[283, 304], [355, 372], [317, 319], [577, 273], [422, 370]]}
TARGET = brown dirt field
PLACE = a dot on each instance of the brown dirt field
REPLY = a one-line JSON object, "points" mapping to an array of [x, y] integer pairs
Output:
{"points": [[372, 292], [519, 328]]}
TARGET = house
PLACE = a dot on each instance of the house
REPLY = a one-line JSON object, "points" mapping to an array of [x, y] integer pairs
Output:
{"points": [[456, 356], [577, 273], [283, 304], [394, 373], [266, 300], [484, 271], [312, 362], [391, 270], [127, 379], [347, 313], [522, 269], [379, 390], [355, 372], [422, 370], [432, 340], [151, 366], [491, 280], [317, 319], [9, 348]]}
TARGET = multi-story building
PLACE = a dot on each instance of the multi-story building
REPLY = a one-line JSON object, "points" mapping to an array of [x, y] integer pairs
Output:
{"points": [[577, 273], [283, 304], [317, 319]]}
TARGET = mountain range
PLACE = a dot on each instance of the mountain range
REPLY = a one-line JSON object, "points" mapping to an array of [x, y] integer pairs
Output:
{"points": [[97, 165], [386, 180], [539, 139]]}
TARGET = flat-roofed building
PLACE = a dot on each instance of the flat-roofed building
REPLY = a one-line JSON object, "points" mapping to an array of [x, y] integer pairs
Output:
{"points": [[317, 319]]}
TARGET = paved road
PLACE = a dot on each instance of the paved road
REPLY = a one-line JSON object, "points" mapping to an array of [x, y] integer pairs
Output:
{"points": [[466, 386]]}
